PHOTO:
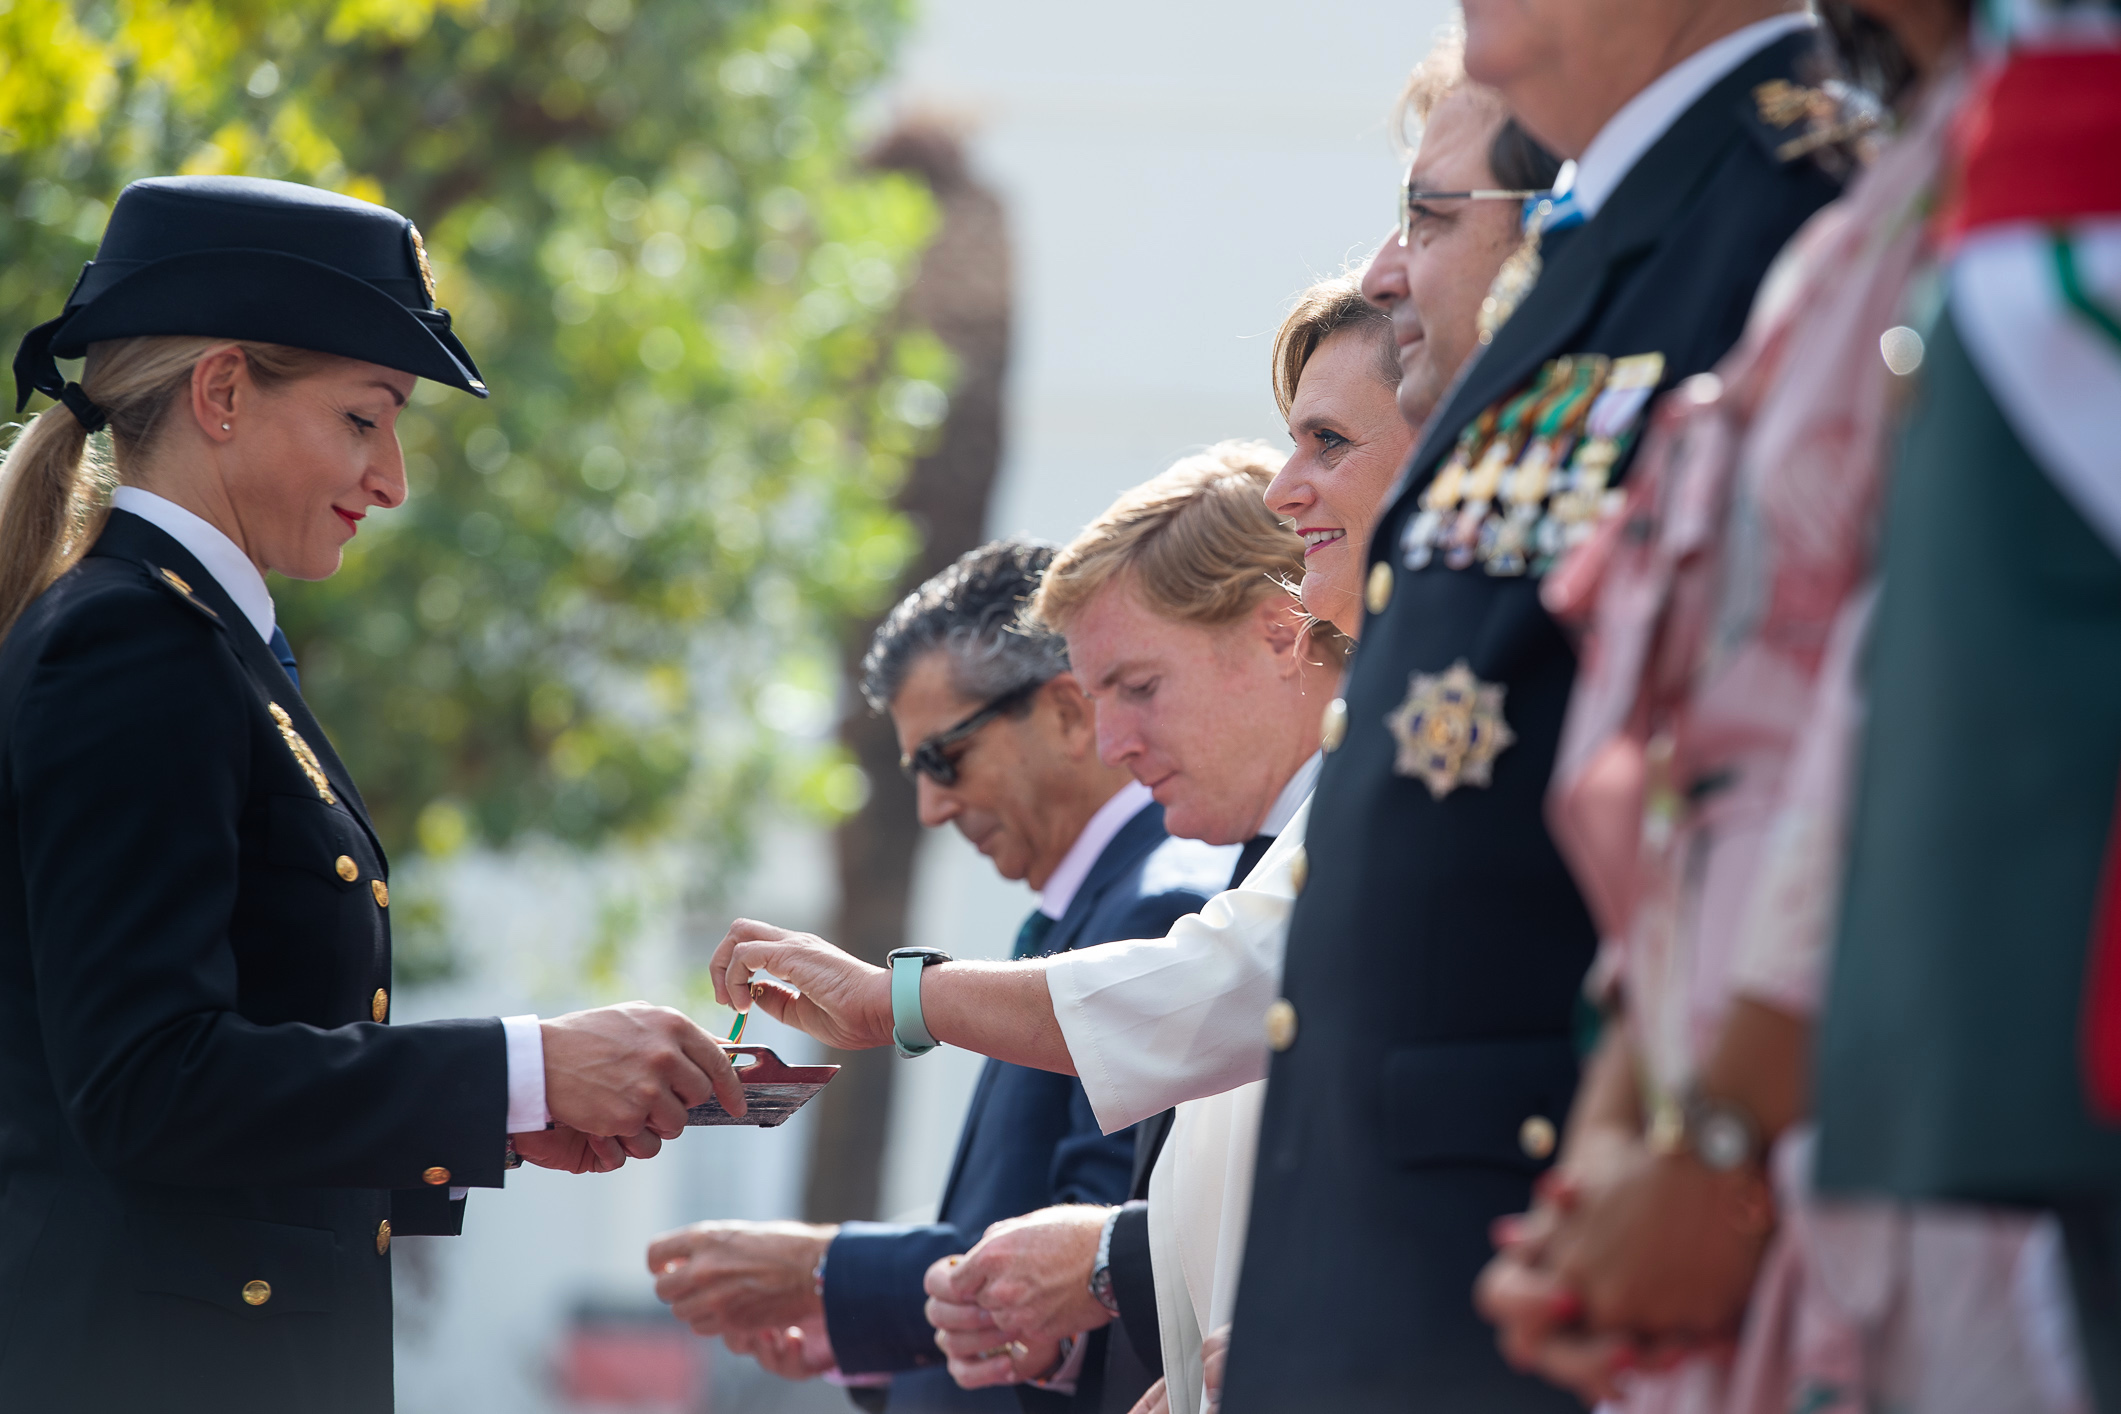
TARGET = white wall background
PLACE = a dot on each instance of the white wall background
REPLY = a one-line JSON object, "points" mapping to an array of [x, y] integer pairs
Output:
{"points": [[1174, 173]]}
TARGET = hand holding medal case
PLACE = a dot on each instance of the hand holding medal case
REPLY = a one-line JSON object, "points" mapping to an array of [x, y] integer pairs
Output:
{"points": [[773, 1089]]}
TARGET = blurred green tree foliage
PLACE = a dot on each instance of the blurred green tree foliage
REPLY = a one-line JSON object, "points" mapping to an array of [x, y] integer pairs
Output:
{"points": [[611, 602]]}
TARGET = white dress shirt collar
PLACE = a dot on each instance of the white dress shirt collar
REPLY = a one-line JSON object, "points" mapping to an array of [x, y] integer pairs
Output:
{"points": [[1125, 804], [1293, 795], [1649, 114], [216, 553]]}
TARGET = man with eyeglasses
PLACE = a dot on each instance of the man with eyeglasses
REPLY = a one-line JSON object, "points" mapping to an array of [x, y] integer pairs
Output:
{"points": [[1002, 743], [1436, 955], [1461, 211]]}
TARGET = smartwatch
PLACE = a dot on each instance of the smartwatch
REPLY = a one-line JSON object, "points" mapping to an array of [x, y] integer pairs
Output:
{"points": [[908, 1031]]}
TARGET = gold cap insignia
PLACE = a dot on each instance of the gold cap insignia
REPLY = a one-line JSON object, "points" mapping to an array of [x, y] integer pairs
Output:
{"points": [[1450, 729], [419, 254], [304, 757]]}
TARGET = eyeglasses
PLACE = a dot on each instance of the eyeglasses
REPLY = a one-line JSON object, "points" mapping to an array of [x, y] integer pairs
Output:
{"points": [[928, 758], [1409, 194]]}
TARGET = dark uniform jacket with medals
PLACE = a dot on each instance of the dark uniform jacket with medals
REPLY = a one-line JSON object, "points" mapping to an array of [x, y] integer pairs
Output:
{"points": [[206, 1121], [1436, 954]]}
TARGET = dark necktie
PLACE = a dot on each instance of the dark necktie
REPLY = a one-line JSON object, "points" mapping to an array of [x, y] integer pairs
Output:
{"points": [[285, 653], [1248, 858], [1031, 938]]}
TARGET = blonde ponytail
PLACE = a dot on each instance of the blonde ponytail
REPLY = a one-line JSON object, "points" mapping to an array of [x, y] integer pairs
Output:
{"points": [[55, 487]]}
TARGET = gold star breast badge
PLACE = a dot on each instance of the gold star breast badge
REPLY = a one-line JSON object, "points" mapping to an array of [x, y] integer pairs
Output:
{"points": [[1450, 729]]}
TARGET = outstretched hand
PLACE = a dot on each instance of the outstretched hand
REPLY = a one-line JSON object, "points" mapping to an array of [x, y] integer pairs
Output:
{"points": [[623, 1069], [572, 1151], [799, 1352], [839, 999], [720, 1277]]}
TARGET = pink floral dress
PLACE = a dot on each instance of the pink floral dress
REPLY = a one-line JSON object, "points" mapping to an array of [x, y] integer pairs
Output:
{"points": [[1700, 790]]}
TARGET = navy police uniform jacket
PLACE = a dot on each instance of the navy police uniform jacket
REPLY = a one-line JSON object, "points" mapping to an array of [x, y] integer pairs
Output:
{"points": [[208, 1129], [1030, 1141], [1436, 955]]}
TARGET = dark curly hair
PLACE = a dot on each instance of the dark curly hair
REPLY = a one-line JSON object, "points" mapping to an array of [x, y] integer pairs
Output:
{"points": [[970, 611]]}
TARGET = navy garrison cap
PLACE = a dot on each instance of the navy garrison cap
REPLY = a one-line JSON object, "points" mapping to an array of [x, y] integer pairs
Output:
{"points": [[263, 261]]}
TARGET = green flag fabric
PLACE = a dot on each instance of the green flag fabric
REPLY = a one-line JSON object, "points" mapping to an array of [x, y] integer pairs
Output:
{"points": [[1950, 1061]]}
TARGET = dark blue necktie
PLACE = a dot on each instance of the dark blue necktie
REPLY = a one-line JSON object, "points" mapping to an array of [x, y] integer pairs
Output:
{"points": [[285, 652], [1032, 936], [1248, 858]]}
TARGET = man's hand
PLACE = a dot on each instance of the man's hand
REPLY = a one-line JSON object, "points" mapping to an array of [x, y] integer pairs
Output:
{"points": [[1030, 1275], [723, 1277], [839, 999], [623, 1069], [572, 1151], [981, 1353], [800, 1352]]}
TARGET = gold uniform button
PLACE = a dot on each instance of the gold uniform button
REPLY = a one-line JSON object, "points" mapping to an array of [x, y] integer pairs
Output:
{"points": [[379, 1005], [1378, 592], [382, 1237], [1281, 1024], [1536, 1137], [435, 1177], [1333, 728], [348, 870], [382, 892], [257, 1293], [1299, 869]]}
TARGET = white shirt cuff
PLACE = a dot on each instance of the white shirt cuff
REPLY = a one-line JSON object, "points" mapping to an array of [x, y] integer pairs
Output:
{"points": [[526, 1074]]}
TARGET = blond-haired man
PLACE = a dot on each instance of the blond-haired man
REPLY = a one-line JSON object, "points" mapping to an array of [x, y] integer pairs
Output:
{"points": [[1209, 680]]}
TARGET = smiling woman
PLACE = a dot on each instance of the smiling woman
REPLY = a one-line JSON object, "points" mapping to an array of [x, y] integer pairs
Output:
{"points": [[214, 1038], [1336, 377]]}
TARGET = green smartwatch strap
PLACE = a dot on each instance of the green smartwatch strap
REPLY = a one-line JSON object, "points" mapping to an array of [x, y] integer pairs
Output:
{"points": [[909, 1032]]}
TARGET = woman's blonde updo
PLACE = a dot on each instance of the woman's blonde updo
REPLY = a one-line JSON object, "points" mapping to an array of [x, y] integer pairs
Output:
{"points": [[55, 489]]}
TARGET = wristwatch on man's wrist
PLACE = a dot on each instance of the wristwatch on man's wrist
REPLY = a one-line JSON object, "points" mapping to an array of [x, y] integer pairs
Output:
{"points": [[1718, 1132], [1101, 1269], [908, 1031]]}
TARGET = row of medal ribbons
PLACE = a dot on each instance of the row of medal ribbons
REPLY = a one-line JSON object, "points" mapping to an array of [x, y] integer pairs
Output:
{"points": [[1528, 477]]}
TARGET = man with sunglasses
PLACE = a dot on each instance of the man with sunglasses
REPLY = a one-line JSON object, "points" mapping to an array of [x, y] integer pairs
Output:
{"points": [[1002, 743]]}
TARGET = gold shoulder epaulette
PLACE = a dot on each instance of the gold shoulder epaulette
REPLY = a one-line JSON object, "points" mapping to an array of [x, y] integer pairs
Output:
{"points": [[1811, 119], [175, 583]]}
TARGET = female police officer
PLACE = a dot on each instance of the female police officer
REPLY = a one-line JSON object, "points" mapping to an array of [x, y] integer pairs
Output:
{"points": [[208, 1130]]}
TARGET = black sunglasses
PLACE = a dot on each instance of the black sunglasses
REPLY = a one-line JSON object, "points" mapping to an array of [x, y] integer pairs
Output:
{"points": [[928, 759]]}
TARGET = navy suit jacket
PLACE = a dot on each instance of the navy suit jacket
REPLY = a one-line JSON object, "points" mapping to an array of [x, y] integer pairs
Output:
{"points": [[1029, 1141]]}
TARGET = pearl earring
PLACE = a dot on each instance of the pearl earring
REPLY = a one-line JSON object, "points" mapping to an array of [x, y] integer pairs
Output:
{"points": [[224, 427]]}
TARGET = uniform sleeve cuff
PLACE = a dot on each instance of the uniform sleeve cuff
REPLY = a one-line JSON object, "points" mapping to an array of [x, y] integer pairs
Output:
{"points": [[526, 1074]]}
